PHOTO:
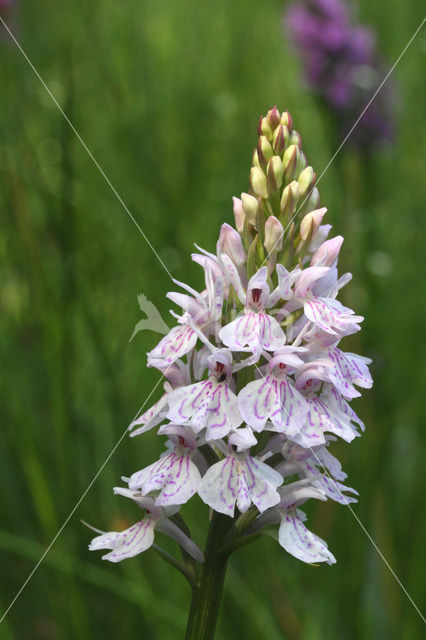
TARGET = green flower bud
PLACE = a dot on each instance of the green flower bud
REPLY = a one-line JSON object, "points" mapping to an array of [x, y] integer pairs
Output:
{"points": [[275, 172], [295, 139], [306, 180], [289, 200], [264, 151], [313, 202], [300, 165], [291, 158], [249, 206], [255, 159], [265, 129], [258, 183], [274, 118], [280, 139], [287, 120]]}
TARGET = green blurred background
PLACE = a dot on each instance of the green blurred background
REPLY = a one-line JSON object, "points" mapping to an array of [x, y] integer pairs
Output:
{"points": [[167, 96]]}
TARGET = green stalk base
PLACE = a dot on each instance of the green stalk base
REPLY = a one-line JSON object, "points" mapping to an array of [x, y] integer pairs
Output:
{"points": [[207, 595]]}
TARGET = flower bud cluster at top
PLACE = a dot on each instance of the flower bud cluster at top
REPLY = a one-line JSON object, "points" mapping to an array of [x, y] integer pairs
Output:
{"points": [[281, 183], [257, 385]]}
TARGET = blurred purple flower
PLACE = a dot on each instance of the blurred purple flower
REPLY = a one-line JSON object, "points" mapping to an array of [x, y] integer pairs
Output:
{"points": [[341, 65], [7, 9]]}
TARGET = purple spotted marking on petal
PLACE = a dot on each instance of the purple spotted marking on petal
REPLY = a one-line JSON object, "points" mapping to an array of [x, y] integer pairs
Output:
{"points": [[127, 543], [295, 538], [240, 479], [273, 398], [175, 476], [178, 342], [256, 330], [330, 316], [208, 404]]}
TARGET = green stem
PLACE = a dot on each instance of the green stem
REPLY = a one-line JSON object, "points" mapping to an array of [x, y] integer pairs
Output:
{"points": [[207, 595]]}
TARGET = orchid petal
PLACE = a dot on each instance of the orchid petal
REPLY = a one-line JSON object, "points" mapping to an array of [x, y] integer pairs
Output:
{"points": [[177, 343], [175, 476], [307, 279], [240, 479], [256, 330], [151, 417], [295, 538], [206, 404], [274, 399], [127, 543]]}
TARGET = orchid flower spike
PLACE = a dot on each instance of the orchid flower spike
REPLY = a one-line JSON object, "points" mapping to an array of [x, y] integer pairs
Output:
{"points": [[257, 385]]}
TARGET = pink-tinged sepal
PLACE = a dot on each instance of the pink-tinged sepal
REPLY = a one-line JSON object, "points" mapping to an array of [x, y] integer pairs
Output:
{"points": [[338, 405], [301, 543], [331, 316], [327, 253], [321, 419], [232, 277], [348, 370], [177, 343], [230, 243], [150, 418], [296, 493], [330, 462], [240, 480], [332, 488], [306, 280]]}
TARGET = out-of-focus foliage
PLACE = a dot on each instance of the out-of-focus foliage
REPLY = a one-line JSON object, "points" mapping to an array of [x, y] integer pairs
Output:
{"points": [[167, 96]]}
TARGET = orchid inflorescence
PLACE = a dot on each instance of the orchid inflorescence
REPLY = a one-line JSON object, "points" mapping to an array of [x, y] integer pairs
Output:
{"points": [[257, 386]]}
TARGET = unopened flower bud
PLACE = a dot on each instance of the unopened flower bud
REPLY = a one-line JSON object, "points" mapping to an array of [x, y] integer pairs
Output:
{"points": [[265, 129], [230, 243], [258, 182], [313, 201], [290, 160], [264, 151], [312, 219], [250, 207], [274, 118], [301, 163], [255, 159], [287, 120], [295, 138], [306, 181], [275, 174], [327, 253], [239, 214], [274, 232], [280, 139], [289, 199]]}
